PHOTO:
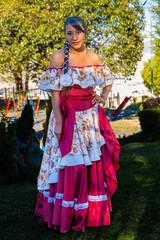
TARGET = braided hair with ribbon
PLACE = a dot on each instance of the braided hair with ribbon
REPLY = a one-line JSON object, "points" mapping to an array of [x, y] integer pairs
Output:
{"points": [[66, 80], [66, 50]]}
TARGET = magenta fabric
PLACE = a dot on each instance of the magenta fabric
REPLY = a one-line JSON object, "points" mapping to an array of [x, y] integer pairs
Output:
{"points": [[111, 154], [76, 182]]}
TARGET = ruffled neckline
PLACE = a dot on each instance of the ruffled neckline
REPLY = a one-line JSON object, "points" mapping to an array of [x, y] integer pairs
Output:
{"points": [[87, 66]]}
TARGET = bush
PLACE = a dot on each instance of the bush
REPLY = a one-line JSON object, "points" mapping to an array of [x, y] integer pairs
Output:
{"points": [[8, 162], [151, 103], [14, 162], [135, 100], [150, 122], [144, 97], [25, 124]]}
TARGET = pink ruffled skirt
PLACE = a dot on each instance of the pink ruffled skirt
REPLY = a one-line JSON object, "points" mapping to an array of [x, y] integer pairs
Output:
{"points": [[79, 199]]}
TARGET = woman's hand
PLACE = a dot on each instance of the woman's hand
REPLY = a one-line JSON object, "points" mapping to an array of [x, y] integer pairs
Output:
{"points": [[57, 130], [97, 99]]}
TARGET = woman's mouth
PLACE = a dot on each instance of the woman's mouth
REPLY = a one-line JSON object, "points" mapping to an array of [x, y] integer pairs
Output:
{"points": [[75, 43]]}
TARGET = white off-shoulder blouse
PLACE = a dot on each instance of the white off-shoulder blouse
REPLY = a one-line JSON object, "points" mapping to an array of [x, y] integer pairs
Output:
{"points": [[84, 76]]}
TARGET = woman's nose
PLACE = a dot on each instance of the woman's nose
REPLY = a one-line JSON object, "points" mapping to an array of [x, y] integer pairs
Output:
{"points": [[75, 36]]}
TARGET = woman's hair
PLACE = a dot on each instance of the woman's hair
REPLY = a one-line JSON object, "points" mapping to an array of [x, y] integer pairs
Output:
{"points": [[79, 24]]}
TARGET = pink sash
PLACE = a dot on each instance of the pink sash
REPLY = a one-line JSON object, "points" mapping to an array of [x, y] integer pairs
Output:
{"points": [[77, 99]]}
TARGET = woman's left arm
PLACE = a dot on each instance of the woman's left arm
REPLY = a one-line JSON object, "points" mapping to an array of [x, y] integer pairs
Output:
{"points": [[96, 98], [101, 99]]}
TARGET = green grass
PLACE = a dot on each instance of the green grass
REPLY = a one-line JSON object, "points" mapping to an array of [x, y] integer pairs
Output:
{"points": [[136, 205]]}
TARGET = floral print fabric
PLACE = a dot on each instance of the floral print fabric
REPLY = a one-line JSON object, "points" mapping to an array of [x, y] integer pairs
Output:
{"points": [[84, 76], [86, 147]]}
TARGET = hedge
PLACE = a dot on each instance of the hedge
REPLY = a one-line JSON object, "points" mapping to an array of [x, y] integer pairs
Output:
{"points": [[150, 122]]}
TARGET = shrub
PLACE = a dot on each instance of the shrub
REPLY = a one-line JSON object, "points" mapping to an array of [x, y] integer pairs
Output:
{"points": [[25, 124], [150, 122], [8, 162], [151, 103], [144, 97], [135, 100]]}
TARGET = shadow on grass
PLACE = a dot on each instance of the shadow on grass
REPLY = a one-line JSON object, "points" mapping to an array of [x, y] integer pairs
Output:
{"points": [[135, 203]]}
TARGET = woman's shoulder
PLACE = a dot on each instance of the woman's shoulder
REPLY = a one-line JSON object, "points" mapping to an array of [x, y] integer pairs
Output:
{"points": [[95, 58], [57, 58]]}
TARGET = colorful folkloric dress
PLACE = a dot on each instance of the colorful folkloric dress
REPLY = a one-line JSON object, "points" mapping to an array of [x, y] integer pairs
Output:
{"points": [[77, 176]]}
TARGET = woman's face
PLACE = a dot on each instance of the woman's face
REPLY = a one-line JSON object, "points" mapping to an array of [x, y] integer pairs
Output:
{"points": [[75, 37]]}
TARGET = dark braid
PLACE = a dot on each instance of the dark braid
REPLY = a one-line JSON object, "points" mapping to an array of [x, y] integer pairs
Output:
{"points": [[79, 24], [66, 48]]}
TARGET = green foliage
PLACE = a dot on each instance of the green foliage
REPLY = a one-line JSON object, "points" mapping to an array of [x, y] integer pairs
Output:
{"points": [[150, 122], [146, 74], [8, 162], [144, 97], [25, 124], [31, 30], [48, 112], [156, 13], [151, 103]]}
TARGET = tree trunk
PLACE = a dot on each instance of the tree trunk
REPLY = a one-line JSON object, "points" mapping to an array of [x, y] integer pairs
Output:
{"points": [[19, 87], [27, 76]]}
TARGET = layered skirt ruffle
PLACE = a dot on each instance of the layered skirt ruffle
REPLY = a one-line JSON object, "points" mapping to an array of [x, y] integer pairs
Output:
{"points": [[80, 198]]}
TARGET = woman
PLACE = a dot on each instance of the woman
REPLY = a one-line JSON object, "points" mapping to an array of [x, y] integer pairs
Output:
{"points": [[77, 176]]}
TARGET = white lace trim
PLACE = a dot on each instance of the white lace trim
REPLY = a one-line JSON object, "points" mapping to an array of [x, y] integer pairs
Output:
{"points": [[81, 206], [97, 198], [74, 160], [68, 203], [45, 193], [51, 199], [76, 206], [59, 195]]}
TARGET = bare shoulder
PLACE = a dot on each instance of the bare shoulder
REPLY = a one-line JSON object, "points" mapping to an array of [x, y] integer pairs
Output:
{"points": [[96, 59], [57, 58]]}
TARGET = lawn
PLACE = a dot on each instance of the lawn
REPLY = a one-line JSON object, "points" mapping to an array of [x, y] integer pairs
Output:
{"points": [[136, 204], [125, 127]]}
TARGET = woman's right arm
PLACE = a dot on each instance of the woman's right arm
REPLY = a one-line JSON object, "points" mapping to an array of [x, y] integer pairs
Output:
{"points": [[57, 60], [57, 113]]}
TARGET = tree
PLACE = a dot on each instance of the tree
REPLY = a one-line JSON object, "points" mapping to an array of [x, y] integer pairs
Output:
{"points": [[146, 74], [156, 12], [30, 30]]}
